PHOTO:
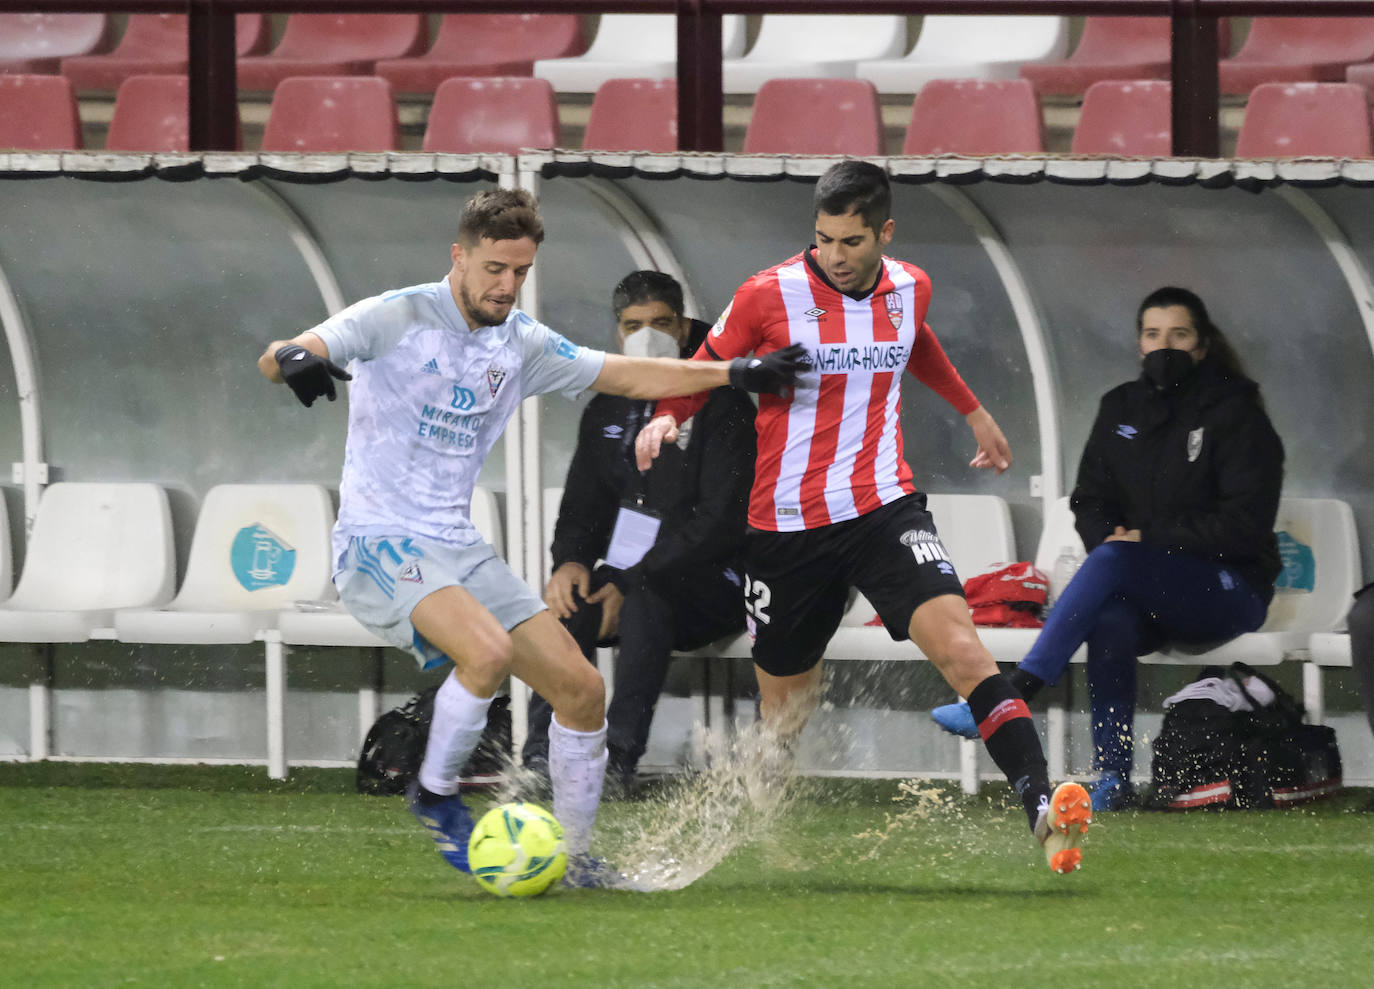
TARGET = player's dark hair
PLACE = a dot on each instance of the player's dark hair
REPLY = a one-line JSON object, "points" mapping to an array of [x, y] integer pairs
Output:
{"points": [[640, 287], [1209, 335], [500, 214], [855, 187]]}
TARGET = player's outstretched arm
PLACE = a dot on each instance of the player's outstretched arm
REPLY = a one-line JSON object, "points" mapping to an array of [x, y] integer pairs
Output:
{"points": [[304, 364], [654, 377], [993, 449]]}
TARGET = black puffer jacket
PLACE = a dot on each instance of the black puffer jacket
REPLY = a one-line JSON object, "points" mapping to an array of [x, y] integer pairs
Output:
{"points": [[700, 492], [1197, 468]]}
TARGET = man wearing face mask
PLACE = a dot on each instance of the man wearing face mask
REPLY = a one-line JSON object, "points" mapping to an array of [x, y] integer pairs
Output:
{"points": [[686, 589], [1176, 498]]}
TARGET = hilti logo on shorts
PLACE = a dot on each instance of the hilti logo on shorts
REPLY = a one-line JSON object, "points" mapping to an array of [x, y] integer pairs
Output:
{"points": [[925, 546]]}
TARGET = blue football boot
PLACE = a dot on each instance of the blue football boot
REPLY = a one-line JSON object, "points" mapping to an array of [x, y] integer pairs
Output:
{"points": [[956, 719], [449, 823]]}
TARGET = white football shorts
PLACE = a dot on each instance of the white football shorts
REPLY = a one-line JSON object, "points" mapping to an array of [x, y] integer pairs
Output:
{"points": [[382, 578]]}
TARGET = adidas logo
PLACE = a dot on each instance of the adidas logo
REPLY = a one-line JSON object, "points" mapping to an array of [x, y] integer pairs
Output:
{"points": [[432, 367]]}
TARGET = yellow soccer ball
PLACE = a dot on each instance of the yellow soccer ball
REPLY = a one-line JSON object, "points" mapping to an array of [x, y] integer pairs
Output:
{"points": [[517, 849]]}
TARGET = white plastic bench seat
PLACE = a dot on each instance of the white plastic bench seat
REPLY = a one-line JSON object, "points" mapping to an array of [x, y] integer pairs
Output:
{"points": [[1327, 525], [811, 46], [95, 548], [953, 46], [630, 46], [257, 548]]}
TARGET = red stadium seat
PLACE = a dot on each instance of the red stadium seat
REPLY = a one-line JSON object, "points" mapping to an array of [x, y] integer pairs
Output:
{"points": [[496, 115], [152, 113], [154, 44], [485, 45], [1291, 119], [38, 113], [1114, 48], [815, 116], [332, 113], [975, 117], [37, 43], [1125, 118], [633, 115], [1297, 49], [334, 45]]}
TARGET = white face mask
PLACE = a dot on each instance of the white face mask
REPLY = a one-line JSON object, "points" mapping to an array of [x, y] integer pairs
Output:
{"points": [[647, 342]]}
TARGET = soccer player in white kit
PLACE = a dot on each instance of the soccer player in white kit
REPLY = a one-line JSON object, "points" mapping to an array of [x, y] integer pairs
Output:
{"points": [[439, 369]]}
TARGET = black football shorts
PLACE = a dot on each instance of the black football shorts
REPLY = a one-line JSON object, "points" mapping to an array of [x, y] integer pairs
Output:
{"points": [[798, 583]]}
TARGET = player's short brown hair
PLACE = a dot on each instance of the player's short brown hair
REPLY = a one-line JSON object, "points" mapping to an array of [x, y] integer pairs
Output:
{"points": [[500, 214]]}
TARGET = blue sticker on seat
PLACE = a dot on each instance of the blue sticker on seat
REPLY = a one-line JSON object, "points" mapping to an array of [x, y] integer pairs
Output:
{"points": [[1299, 565], [260, 558]]}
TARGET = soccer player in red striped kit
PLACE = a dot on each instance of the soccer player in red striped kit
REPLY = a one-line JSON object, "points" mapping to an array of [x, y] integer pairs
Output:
{"points": [[834, 505]]}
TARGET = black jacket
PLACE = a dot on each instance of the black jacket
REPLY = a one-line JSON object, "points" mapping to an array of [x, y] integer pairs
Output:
{"points": [[701, 493], [1196, 469]]}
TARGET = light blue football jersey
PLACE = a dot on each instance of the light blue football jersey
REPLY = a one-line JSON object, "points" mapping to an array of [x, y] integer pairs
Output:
{"points": [[429, 399]]}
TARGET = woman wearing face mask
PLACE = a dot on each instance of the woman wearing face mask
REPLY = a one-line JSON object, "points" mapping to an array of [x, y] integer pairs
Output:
{"points": [[1175, 500]]}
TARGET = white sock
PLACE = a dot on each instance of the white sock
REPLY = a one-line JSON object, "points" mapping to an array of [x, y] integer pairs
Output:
{"points": [[577, 769], [459, 718]]}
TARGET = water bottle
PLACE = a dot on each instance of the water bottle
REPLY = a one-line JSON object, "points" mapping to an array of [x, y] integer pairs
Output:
{"points": [[1065, 566]]}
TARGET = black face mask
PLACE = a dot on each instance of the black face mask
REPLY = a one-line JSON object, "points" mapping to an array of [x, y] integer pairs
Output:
{"points": [[1167, 368]]}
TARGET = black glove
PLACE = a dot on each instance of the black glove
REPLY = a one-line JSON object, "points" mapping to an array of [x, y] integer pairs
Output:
{"points": [[307, 374], [770, 373]]}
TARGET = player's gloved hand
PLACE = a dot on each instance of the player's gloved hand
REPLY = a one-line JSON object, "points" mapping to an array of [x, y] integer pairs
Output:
{"points": [[307, 374], [770, 373]]}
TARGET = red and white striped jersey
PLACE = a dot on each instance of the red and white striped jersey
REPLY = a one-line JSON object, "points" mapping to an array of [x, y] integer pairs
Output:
{"points": [[831, 450]]}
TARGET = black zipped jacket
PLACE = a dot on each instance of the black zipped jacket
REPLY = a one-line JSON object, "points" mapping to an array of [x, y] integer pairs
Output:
{"points": [[1196, 468], [701, 493]]}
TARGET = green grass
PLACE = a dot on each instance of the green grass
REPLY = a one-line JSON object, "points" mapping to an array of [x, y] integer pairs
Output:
{"points": [[216, 877]]}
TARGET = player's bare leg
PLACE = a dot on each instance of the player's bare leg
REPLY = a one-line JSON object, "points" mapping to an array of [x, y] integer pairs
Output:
{"points": [[943, 631]]}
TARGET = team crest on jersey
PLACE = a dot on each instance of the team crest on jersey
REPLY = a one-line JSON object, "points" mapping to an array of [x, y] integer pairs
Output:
{"points": [[719, 328], [894, 310], [411, 572], [495, 375]]}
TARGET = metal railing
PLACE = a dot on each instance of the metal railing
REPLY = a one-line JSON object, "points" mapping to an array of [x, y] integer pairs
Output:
{"points": [[214, 91]]}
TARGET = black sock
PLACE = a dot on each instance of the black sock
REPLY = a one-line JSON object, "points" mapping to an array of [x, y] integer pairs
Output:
{"points": [[427, 798], [1026, 684], [1005, 724]]}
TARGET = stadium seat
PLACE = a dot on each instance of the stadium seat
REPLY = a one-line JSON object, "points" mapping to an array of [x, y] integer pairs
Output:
{"points": [[630, 46], [1284, 120], [1114, 48], [815, 116], [807, 46], [633, 115], [1327, 527], [1297, 49], [155, 44], [257, 549], [332, 113], [36, 43], [1125, 118], [334, 45], [972, 117], [95, 548], [485, 45], [38, 113], [953, 46], [492, 115], [152, 113]]}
